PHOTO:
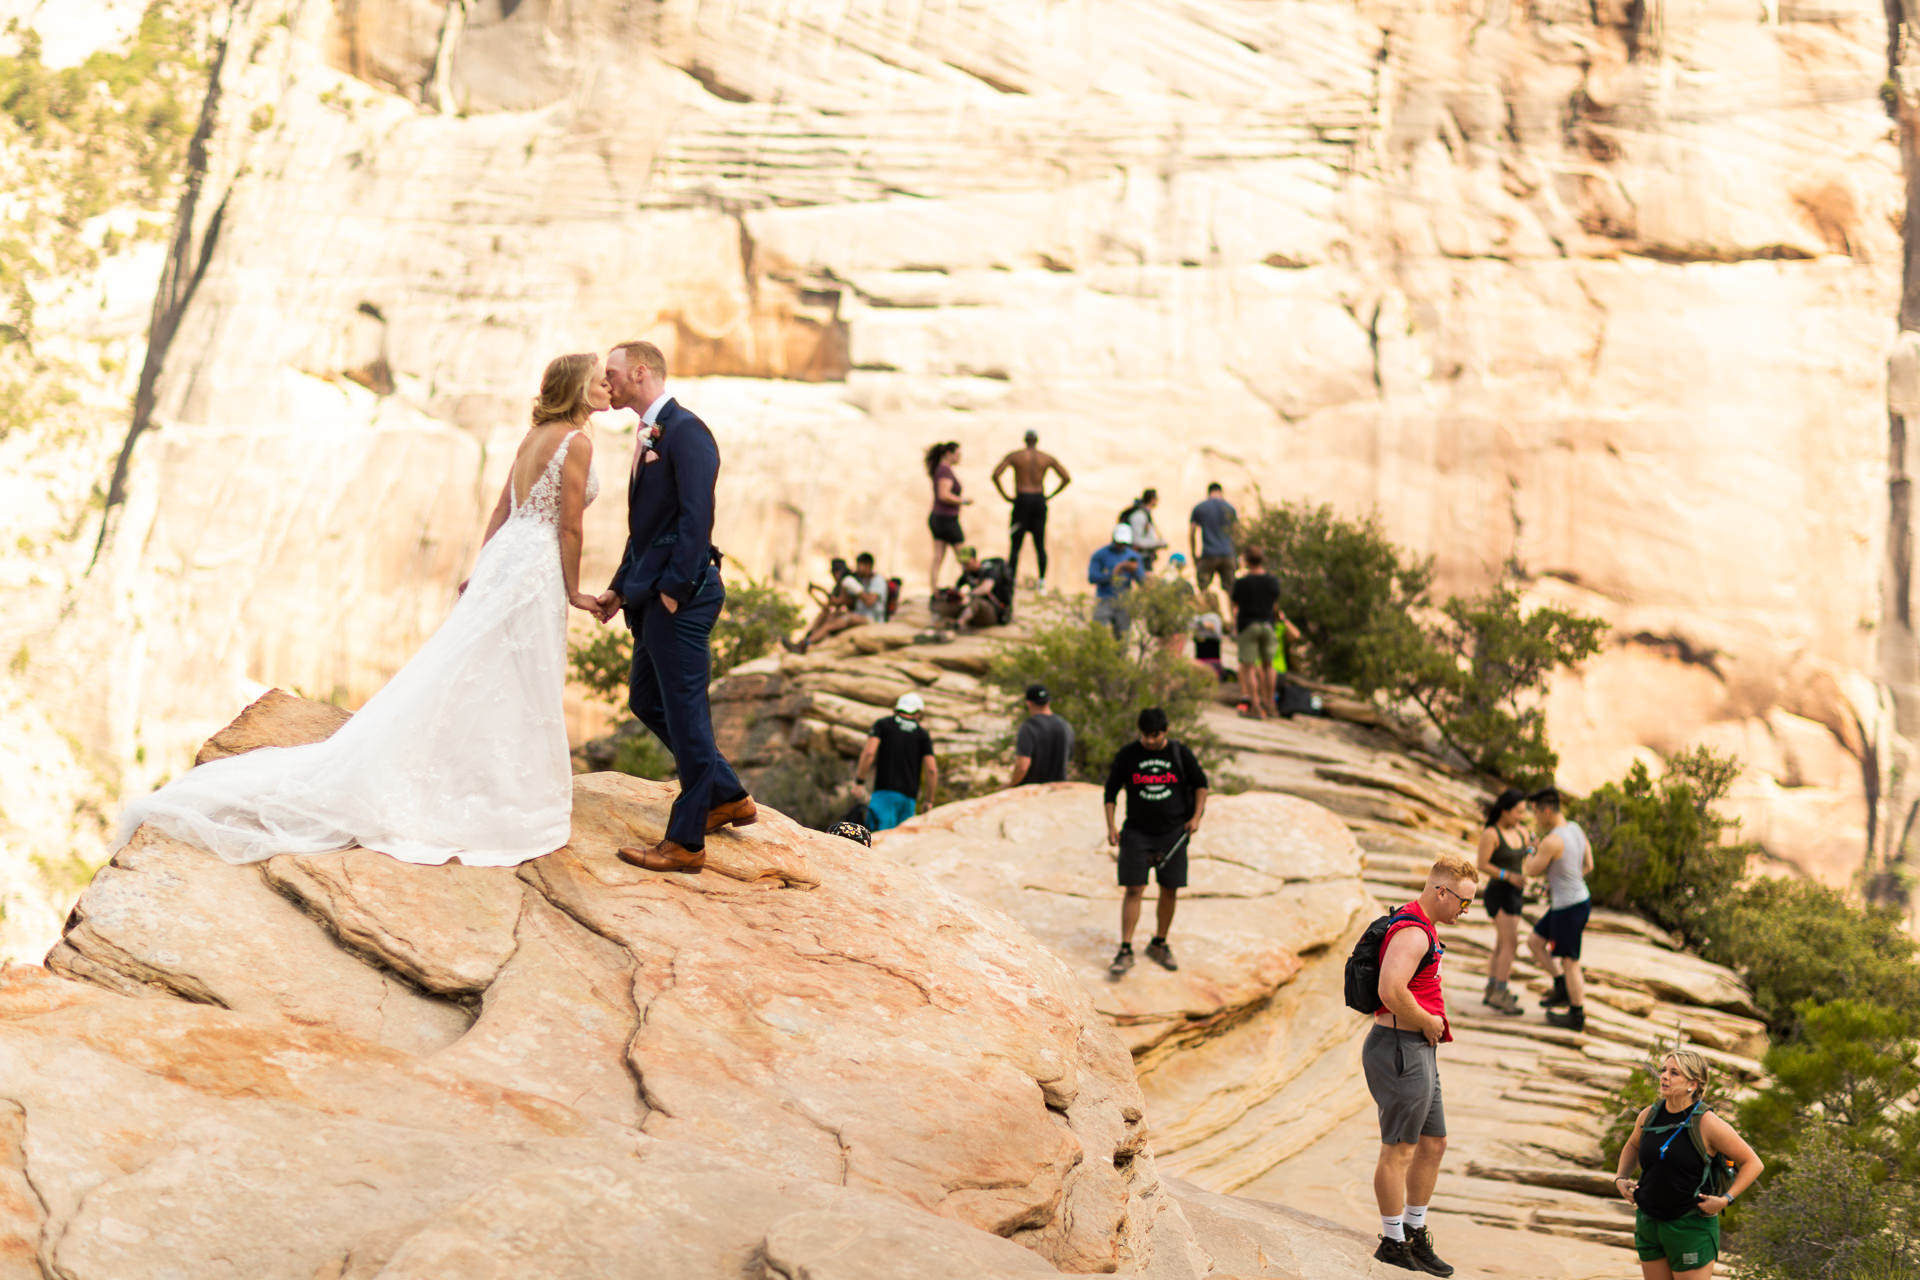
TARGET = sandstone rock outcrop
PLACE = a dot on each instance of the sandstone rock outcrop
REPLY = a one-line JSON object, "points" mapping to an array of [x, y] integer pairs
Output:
{"points": [[810, 1059]]}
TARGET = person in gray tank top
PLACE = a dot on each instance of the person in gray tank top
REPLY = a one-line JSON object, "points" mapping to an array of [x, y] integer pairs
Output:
{"points": [[1565, 857]]}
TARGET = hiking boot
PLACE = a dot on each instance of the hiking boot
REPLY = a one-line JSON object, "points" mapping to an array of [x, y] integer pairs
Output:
{"points": [[1574, 1019], [1161, 954], [1557, 996], [1420, 1249], [1395, 1253], [1502, 1001], [1122, 961]]}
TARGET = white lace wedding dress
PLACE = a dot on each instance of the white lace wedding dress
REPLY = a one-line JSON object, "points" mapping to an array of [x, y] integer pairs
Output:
{"points": [[463, 753]]}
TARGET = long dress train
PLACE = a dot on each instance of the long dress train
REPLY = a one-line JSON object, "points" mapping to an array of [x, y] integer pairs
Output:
{"points": [[462, 754]]}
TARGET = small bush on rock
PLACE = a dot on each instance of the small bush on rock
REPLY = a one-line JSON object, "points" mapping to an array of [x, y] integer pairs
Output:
{"points": [[1099, 685], [1342, 582], [1658, 845], [1798, 943], [1478, 672], [1829, 1218]]}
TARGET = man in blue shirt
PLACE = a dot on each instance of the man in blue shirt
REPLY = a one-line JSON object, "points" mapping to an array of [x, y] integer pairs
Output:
{"points": [[1210, 537], [1113, 571]]}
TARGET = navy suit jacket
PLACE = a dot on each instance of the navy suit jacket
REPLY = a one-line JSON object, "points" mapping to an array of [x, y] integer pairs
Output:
{"points": [[670, 513]]}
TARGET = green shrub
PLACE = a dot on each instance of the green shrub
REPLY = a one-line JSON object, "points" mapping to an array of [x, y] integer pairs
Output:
{"points": [[1342, 582], [1160, 609], [641, 755], [1829, 1218], [1100, 685], [1850, 1071], [749, 626], [1657, 843], [1796, 942], [1478, 672]]}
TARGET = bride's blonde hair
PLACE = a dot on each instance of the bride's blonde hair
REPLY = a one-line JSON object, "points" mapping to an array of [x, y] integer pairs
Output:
{"points": [[563, 389]]}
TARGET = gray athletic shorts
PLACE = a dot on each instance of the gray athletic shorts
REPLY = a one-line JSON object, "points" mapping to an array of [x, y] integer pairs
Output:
{"points": [[1403, 1075]]}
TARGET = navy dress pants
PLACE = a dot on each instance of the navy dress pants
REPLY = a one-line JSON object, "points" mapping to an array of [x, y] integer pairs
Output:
{"points": [[668, 692]]}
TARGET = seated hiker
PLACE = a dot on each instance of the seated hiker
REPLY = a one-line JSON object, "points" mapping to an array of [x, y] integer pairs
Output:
{"points": [[847, 604], [984, 595]]}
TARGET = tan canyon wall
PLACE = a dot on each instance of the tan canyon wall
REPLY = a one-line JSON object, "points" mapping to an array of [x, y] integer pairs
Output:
{"points": [[1606, 289]]}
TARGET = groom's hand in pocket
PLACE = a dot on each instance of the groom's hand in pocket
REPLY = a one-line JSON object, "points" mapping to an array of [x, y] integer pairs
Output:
{"points": [[672, 605]]}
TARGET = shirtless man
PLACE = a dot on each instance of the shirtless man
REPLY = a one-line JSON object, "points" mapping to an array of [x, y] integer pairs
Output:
{"points": [[1029, 499]]}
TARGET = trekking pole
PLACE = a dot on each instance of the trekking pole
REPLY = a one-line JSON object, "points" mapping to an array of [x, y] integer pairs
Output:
{"points": [[1173, 848]]}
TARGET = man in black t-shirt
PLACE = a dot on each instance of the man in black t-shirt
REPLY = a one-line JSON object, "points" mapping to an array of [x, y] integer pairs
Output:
{"points": [[1166, 796], [898, 753], [1044, 745], [1256, 629]]}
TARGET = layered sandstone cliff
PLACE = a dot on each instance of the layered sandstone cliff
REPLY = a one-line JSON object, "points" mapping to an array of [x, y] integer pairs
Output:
{"points": [[1607, 291]]}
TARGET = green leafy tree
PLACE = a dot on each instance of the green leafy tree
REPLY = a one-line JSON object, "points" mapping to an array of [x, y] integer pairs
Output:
{"points": [[756, 615], [1478, 673], [1852, 1070], [1160, 609], [750, 625], [1343, 582], [1796, 943], [1658, 844], [1829, 1217], [1099, 685]]}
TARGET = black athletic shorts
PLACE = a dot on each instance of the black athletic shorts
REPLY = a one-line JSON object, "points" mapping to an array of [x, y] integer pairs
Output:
{"points": [[946, 529], [1564, 927], [1029, 514], [1502, 897], [1138, 851]]}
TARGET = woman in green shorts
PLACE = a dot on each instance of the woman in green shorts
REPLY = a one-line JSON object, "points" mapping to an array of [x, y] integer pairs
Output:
{"points": [[1676, 1224]]}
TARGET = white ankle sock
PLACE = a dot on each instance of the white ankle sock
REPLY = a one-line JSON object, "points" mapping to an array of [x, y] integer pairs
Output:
{"points": [[1415, 1216], [1390, 1228]]}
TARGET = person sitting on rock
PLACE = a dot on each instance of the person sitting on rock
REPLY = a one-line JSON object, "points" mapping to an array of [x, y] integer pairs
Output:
{"points": [[1402, 1065], [847, 604], [1565, 857], [898, 753], [983, 597], [1166, 798]]}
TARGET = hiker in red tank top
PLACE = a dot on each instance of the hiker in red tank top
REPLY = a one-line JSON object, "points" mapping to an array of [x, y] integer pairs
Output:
{"points": [[1424, 986], [1400, 1059]]}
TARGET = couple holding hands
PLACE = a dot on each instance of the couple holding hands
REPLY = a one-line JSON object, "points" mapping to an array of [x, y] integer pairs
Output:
{"points": [[463, 754]]}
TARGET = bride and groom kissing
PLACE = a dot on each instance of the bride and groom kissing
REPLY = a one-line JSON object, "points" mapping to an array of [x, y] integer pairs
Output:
{"points": [[463, 753]]}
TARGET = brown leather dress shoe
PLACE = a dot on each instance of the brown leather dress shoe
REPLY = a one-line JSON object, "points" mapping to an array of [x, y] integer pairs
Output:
{"points": [[738, 813], [665, 856]]}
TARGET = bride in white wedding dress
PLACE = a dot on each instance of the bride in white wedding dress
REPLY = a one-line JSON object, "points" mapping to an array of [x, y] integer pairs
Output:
{"points": [[464, 753]]}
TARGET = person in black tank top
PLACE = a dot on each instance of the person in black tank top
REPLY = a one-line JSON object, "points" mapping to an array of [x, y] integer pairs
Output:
{"points": [[1676, 1228], [1503, 847]]}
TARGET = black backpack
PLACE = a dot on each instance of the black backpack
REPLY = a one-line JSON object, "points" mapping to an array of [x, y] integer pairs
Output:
{"points": [[1363, 965], [1717, 1172]]}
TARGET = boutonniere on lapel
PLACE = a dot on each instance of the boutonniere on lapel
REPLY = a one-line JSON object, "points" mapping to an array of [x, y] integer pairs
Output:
{"points": [[649, 438]]}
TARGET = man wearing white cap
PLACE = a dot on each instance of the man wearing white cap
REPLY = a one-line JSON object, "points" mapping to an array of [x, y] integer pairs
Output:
{"points": [[1113, 571], [898, 754]]}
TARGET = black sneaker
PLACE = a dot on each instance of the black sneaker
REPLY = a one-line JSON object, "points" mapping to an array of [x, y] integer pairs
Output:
{"points": [[1122, 961], [1161, 954], [1395, 1253], [1572, 1020], [1420, 1249]]}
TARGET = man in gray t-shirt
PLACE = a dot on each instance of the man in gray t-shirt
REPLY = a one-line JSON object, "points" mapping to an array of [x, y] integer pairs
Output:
{"points": [[1566, 858], [1210, 537], [1044, 746]]}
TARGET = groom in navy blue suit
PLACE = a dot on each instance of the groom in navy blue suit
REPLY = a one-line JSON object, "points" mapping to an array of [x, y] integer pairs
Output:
{"points": [[669, 586]]}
